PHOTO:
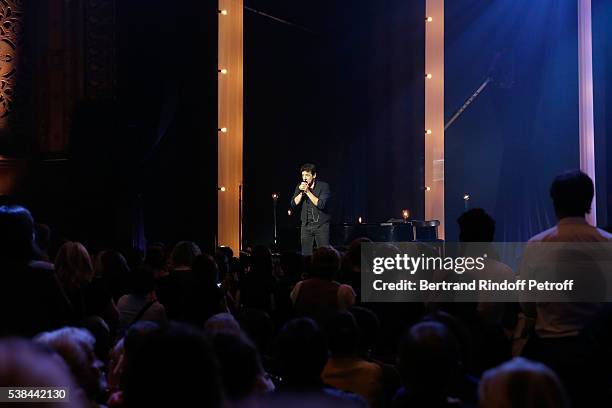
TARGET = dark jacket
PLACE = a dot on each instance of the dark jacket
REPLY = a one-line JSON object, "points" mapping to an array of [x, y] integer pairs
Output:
{"points": [[321, 211], [31, 299]]}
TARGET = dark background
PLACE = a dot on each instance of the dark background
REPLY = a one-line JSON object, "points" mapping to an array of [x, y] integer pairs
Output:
{"points": [[345, 91], [508, 146], [141, 160]]}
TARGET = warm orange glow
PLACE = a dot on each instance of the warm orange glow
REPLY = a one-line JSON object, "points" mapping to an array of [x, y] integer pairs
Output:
{"points": [[222, 189], [434, 114], [230, 116]]}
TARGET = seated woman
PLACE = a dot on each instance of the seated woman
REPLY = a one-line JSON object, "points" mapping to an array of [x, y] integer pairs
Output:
{"points": [[140, 304]]}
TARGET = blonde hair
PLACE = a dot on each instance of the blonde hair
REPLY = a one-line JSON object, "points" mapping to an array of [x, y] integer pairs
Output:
{"points": [[73, 265]]}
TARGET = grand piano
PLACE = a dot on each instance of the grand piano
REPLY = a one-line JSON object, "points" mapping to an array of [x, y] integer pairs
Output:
{"points": [[404, 231], [341, 235]]}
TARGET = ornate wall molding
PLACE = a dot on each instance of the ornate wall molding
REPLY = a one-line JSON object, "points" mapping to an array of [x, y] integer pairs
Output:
{"points": [[10, 35]]}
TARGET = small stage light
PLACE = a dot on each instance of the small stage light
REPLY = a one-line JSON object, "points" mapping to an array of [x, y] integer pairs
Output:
{"points": [[274, 196], [466, 197], [427, 188], [289, 212], [428, 132], [429, 19], [360, 220], [223, 12], [405, 214], [222, 130], [221, 189], [223, 71], [428, 76]]}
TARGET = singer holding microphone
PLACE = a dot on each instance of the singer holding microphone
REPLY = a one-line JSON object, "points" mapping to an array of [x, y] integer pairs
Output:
{"points": [[313, 195]]}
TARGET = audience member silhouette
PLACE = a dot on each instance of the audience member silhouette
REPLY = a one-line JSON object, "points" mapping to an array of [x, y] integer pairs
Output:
{"points": [[257, 288], [140, 304], [77, 348], [31, 297], [301, 354], [75, 271], [520, 383], [346, 369], [26, 364], [320, 296], [241, 368], [172, 366], [430, 366]]}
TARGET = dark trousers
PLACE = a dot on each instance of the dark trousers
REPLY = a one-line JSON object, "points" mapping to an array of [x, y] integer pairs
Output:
{"points": [[318, 233]]}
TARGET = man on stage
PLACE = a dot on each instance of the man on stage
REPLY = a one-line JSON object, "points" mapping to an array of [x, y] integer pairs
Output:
{"points": [[313, 195]]}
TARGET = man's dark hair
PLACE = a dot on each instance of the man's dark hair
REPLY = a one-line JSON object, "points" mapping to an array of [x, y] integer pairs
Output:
{"points": [[325, 263], [309, 167], [572, 194], [476, 225]]}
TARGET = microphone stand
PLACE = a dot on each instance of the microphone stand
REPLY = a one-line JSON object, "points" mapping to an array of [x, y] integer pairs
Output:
{"points": [[274, 203]]}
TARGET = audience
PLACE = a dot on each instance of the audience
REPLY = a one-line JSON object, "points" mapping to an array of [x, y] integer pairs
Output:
{"points": [[155, 259], [75, 271], [203, 297], [302, 353], [222, 322], [252, 334], [112, 273], [320, 296], [242, 373], [351, 265], [346, 369], [26, 364], [257, 288], [170, 288], [76, 347], [43, 238], [172, 367], [32, 298], [557, 340], [520, 383], [429, 363]]}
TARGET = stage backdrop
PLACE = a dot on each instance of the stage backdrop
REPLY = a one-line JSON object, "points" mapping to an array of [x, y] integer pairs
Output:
{"points": [[341, 86], [602, 93], [509, 144]]}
